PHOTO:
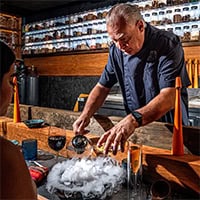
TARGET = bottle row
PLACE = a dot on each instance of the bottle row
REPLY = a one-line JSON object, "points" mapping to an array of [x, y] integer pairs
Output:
{"points": [[189, 31], [66, 32], [172, 18], [93, 30], [99, 41], [174, 14]]}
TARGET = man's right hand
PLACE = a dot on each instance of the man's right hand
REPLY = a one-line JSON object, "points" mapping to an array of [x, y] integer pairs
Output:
{"points": [[80, 124]]}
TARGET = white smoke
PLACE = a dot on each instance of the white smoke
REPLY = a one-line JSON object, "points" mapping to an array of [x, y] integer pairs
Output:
{"points": [[88, 178]]}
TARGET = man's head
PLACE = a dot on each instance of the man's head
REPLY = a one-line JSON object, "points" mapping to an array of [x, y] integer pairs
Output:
{"points": [[7, 58], [125, 26]]}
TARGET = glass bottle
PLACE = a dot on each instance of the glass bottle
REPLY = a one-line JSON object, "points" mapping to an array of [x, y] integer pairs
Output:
{"points": [[84, 29], [98, 42], [161, 17], [186, 34], [177, 15], [99, 27], [89, 29], [178, 31], [169, 16], [194, 13], [94, 28], [154, 18], [104, 28], [93, 43], [75, 30], [147, 17], [67, 20], [154, 3], [186, 14], [104, 43], [162, 3], [195, 32], [79, 30], [78, 47], [170, 29], [169, 3]]}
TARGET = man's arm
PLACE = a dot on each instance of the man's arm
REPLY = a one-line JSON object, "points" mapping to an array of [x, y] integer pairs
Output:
{"points": [[155, 109], [95, 99], [158, 106]]}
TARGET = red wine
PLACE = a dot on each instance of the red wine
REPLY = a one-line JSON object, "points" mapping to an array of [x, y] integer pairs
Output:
{"points": [[56, 142]]}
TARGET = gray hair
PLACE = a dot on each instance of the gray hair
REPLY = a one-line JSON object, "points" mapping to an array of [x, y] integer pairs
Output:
{"points": [[130, 13]]}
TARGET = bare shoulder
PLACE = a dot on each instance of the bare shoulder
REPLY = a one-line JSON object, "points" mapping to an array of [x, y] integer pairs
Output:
{"points": [[15, 180]]}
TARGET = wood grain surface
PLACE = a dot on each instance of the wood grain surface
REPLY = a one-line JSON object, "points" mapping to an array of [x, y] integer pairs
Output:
{"points": [[88, 64], [183, 172]]}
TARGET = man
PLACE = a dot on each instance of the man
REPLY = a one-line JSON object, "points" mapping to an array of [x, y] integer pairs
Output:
{"points": [[145, 61], [15, 179]]}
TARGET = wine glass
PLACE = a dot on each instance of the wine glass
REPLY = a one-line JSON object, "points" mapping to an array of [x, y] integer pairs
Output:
{"points": [[134, 164], [56, 139]]}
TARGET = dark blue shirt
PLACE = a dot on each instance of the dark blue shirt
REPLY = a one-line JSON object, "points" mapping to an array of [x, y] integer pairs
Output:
{"points": [[154, 67]]}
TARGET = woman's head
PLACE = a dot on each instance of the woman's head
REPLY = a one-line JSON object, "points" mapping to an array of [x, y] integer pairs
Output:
{"points": [[7, 58], [125, 26]]}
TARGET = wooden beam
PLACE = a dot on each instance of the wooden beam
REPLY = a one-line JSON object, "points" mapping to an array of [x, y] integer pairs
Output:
{"points": [[69, 65], [83, 64]]}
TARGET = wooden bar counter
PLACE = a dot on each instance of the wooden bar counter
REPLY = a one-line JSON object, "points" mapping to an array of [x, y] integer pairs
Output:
{"points": [[182, 172], [3, 125], [19, 132]]}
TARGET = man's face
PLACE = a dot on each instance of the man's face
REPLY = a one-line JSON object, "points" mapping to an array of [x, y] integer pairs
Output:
{"points": [[6, 91], [128, 38]]}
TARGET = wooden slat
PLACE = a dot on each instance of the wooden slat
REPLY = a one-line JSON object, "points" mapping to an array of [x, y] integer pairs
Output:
{"points": [[192, 52], [90, 64], [70, 65]]}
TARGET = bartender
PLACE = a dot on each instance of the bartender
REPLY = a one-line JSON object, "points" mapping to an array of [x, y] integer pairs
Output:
{"points": [[145, 61]]}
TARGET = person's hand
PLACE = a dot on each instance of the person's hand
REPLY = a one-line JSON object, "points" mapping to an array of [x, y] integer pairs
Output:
{"points": [[117, 136], [80, 124]]}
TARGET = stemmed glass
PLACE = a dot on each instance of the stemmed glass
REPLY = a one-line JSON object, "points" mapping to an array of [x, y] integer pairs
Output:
{"points": [[56, 139], [134, 164]]}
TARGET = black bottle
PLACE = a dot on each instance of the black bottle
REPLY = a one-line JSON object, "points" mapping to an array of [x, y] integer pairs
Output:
{"points": [[32, 87]]}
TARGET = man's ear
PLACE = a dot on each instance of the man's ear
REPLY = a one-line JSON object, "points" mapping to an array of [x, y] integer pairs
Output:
{"points": [[141, 25]]}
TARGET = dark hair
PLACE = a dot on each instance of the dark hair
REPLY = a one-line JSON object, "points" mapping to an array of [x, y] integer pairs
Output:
{"points": [[7, 58]]}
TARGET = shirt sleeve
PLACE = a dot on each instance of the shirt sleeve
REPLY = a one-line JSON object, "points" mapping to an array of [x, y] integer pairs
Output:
{"points": [[108, 77], [171, 65]]}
